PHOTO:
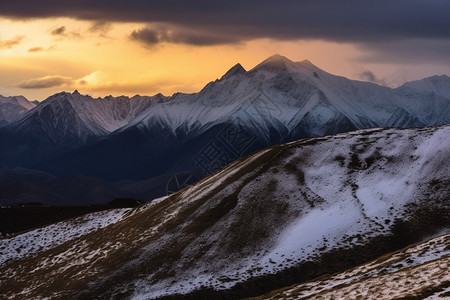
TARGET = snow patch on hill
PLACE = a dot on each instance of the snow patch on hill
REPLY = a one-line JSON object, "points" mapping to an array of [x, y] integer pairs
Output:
{"points": [[414, 271], [42, 239], [27, 244]]}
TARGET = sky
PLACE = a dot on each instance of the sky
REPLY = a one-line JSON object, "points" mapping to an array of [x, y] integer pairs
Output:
{"points": [[112, 47]]}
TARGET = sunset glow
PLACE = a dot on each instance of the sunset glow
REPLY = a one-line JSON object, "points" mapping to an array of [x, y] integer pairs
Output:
{"points": [[42, 56]]}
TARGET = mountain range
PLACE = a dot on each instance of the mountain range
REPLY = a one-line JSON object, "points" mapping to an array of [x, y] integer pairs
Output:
{"points": [[64, 122], [277, 101], [284, 215]]}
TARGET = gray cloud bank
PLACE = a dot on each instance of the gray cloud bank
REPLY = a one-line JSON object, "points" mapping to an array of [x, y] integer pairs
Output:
{"points": [[152, 37], [403, 31], [344, 20]]}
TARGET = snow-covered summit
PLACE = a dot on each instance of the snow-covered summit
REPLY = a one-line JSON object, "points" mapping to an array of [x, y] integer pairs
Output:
{"points": [[13, 108], [439, 85], [275, 62], [20, 100], [278, 63], [236, 69]]}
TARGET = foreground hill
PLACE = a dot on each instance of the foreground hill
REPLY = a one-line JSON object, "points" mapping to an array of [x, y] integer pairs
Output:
{"points": [[283, 215]]}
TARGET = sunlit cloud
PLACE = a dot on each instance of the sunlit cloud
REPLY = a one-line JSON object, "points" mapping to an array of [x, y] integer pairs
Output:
{"points": [[36, 49], [8, 44], [41, 49], [101, 82], [46, 82], [51, 81]]}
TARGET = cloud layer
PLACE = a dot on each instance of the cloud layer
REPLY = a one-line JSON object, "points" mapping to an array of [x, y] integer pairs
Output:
{"points": [[345, 20], [152, 37]]}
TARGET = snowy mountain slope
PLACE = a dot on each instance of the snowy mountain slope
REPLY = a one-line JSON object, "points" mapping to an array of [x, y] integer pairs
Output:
{"points": [[277, 101], [419, 271], [283, 215], [12, 108], [282, 90], [427, 99], [64, 122], [41, 239], [438, 85], [93, 116]]}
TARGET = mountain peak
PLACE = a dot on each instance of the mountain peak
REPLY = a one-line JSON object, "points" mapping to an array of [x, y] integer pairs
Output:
{"points": [[306, 62], [438, 84], [76, 92], [236, 69], [275, 62], [277, 58]]}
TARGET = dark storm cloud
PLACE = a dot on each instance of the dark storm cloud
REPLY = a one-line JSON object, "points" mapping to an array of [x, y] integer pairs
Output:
{"points": [[407, 51], [100, 27], [344, 20], [151, 37]]}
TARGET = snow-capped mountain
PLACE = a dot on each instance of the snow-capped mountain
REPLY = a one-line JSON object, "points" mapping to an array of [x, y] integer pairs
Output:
{"points": [[66, 121], [279, 94], [284, 215], [12, 108], [275, 102]]}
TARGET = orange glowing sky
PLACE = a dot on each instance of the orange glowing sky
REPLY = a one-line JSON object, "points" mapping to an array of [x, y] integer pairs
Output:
{"points": [[43, 56]]}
